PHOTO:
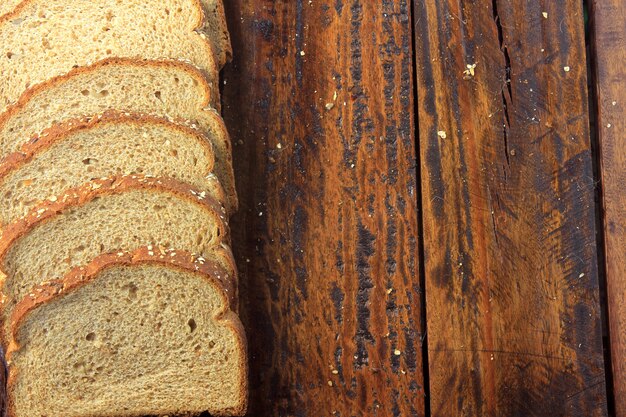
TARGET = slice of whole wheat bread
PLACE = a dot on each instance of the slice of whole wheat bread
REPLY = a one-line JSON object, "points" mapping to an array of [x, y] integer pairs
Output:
{"points": [[162, 88], [120, 213], [129, 334], [41, 39], [75, 152], [214, 26]]}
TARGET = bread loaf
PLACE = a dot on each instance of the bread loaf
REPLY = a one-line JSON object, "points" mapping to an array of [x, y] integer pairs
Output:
{"points": [[118, 287]]}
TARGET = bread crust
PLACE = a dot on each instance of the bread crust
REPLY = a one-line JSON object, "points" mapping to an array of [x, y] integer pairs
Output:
{"points": [[60, 131], [24, 3], [209, 73], [181, 260], [226, 47], [194, 71], [82, 195]]}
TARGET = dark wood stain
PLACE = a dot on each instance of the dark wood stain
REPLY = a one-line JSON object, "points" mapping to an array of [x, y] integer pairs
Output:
{"points": [[319, 104], [512, 283], [322, 101]]}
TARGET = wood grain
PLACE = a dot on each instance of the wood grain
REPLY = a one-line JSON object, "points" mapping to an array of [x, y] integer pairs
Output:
{"points": [[513, 314], [319, 103], [609, 50]]}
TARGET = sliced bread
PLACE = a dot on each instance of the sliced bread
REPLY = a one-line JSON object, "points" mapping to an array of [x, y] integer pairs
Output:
{"points": [[217, 30], [129, 335], [75, 152], [162, 88], [105, 215], [214, 26], [41, 39]]}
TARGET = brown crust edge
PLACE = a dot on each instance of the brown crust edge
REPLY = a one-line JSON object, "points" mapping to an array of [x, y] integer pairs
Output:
{"points": [[79, 196], [61, 131], [226, 47], [210, 73], [180, 260], [198, 74], [134, 62]]}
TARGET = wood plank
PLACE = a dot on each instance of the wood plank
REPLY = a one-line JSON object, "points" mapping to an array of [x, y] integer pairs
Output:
{"points": [[319, 105], [509, 224], [608, 21]]}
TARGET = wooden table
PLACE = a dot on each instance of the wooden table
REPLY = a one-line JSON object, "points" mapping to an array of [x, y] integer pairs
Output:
{"points": [[432, 218]]}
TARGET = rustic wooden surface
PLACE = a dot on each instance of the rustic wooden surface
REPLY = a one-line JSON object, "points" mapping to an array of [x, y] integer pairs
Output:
{"points": [[319, 104], [609, 56], [513, 315], [417, 233]]}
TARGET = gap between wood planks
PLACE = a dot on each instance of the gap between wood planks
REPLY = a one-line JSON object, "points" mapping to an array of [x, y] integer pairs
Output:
{"points": [[594, 131], [420, 220]]}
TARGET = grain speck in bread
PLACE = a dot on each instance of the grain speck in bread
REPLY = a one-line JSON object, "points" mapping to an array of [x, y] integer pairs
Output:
{"points": [[121, 213], [162, 88], [75, 152], [41, 39], [129, 335]]}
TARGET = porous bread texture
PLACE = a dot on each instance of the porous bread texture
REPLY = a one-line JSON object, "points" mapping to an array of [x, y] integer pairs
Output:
{"points": [[214, 26], [75, 152], [107, 215], [217, 30], [128, 338], [41, 39], [161, 88]]}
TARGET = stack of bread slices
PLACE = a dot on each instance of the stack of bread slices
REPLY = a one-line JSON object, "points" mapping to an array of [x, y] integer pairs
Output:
{"points": [[119, 290]]}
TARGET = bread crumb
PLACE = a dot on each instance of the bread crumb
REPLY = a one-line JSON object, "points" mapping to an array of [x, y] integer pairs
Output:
{"points": [[470, 71], [545, 15], [397, 352], [566, 68], [442, 134]]}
